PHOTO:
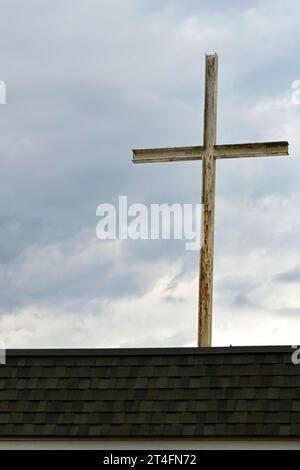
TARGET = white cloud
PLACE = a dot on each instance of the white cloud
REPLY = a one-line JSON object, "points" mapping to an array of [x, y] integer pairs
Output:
{"points": [[153, 319]]}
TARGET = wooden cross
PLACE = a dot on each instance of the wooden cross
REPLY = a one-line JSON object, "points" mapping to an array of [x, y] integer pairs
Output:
{"points": [[209, 153]]}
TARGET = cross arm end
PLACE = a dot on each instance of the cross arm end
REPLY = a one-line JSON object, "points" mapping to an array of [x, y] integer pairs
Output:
{"points": [[168, 154], [260, 149]]}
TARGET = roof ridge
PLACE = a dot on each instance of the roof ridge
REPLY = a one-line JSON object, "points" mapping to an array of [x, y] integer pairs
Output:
{"points": [[148, 351]]}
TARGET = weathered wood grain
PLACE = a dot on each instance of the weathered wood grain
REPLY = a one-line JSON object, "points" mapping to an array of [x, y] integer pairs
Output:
{"points": [[208, 203], [174, 154], [260, 149]]}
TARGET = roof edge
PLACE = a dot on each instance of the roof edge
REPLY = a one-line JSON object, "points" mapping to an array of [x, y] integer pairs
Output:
{"points": [[181, 351]]}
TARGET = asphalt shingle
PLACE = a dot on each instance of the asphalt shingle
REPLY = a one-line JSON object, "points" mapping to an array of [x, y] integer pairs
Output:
{"points": [[251, 391]]}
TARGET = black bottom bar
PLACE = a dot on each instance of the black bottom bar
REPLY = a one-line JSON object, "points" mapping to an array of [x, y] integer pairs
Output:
{"points": [[138, 459]]}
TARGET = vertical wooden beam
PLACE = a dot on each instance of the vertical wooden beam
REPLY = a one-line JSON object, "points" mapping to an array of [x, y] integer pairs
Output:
{"points": [[208, 203]]}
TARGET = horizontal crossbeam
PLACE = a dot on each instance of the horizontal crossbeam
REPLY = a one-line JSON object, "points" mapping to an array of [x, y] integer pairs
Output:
{"points": [[175, 154], [261, 149]]}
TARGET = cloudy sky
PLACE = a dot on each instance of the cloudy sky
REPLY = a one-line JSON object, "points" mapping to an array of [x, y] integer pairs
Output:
{"points": [[89, 80]]}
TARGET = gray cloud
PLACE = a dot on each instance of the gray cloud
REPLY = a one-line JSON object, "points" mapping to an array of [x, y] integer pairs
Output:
{"points": [[88, 81], [292, 275]]}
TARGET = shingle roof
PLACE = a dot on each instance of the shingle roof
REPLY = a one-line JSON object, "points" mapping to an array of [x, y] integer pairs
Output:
{"points": [[245, 391]]}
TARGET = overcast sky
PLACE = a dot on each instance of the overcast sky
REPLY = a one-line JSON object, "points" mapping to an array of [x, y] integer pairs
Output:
{"points": [[87, 81]]}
